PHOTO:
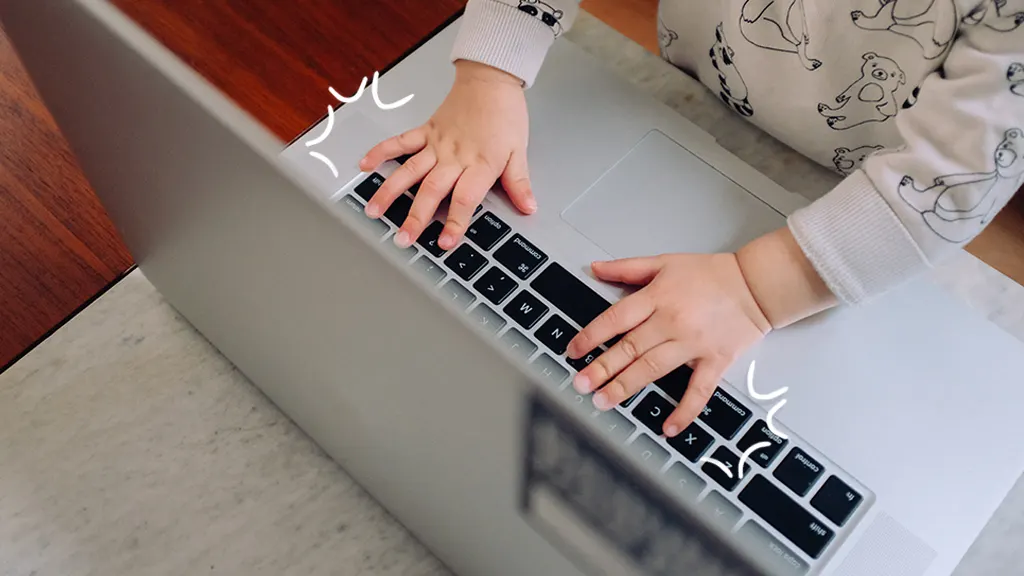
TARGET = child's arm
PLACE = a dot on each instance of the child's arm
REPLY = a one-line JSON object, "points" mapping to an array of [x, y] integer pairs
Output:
{"points": [[878, 229], [513, 35]]}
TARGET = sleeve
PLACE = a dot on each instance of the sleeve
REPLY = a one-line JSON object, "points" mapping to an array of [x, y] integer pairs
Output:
{"points": [[513, 35], [907, 209]]}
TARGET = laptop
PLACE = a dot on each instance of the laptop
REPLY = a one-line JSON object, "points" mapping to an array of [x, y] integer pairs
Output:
{"points": [[438, 379]]}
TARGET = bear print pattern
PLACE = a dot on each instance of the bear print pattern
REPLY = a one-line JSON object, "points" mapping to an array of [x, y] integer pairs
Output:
{"points": [[779, 25], [930, 23], [665, 37], [732, 88], [871, 98], [846, 160], [957, 206], [544, 12], [1015, 76], [995, 15]]}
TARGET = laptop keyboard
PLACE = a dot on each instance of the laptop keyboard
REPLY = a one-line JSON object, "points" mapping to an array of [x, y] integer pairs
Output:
{"points": [[788, 504]]}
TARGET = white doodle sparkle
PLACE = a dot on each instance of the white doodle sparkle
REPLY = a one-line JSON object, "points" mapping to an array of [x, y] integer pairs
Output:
{"points": [[348, 100], [769, 420]]}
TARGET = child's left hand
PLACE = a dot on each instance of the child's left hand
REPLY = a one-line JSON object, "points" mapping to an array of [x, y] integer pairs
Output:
{"points": [[693, 309]]}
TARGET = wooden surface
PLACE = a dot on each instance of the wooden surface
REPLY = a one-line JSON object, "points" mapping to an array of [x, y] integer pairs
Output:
{"points": [[276, 59], [57, 247]]}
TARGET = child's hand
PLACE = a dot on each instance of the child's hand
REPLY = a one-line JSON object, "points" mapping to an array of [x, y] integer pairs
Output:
{"points": [[477, 135], [701, 310]]}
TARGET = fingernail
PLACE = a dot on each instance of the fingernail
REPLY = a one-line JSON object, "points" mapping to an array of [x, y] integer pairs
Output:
{"points": [[671, 430], [601, 401], [362, 164], [372, 210], [446, 241], [531, 204], [402, 239], [582, 384]]}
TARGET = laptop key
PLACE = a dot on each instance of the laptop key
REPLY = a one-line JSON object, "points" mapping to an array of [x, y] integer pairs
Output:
{"points": [[692, 442], [578, 364], [652, 412], [758, 433], [403, 158], [368, 187], [526, 309], [836, 501], [786, 515], [519, 344], [487, 230], [428, 269], [520, 256], [495, 285], [487, 318], [569, 294], [675, 382], [616, 424], [798, 471], [724, 414], [728, 478], [556, 334], [686, 481], [650, 452], [759, 541], [458, 294], [465, 261], [399, 209], [719, 510], [549, 369], [428, 239], [374, 226]]}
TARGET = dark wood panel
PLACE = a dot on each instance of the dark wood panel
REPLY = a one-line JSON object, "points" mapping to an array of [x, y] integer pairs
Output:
{"points": [[276, 58], [57, 247]]}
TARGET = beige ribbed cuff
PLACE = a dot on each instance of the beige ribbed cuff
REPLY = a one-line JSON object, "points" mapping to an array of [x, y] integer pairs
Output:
{"points": [[501, 36], [856, 242]]}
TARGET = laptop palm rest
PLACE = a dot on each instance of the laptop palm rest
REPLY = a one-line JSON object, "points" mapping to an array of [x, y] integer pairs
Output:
{"points": [[660, 198]]}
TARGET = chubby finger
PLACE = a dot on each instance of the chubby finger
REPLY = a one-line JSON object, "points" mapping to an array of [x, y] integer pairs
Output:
{"points": [[470, 190], [434, 189], [620, 318], [636, 271], [706, 376], [516, 182], [402, 179], [635, 344], [650, 366], [409, 142]]}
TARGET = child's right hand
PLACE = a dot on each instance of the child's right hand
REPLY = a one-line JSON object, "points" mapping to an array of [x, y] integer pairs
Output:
{"points": [[478, 135]]}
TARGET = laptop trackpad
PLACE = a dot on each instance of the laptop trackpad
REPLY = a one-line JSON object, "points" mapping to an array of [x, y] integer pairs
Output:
{"points": [[661, 198]]}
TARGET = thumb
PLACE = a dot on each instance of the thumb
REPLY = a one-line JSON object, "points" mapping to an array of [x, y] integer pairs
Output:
{"points": [[516, 182], [636, 271]]}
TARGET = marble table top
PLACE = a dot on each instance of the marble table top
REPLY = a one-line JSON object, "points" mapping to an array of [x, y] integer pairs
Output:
{"points": [[128, 445]]}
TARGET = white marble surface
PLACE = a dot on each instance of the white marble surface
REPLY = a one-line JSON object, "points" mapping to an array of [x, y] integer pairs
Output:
{"points": [[128, 445]]}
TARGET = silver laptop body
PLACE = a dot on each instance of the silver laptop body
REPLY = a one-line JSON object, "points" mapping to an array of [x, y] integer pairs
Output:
{"points": [[450, 404]]}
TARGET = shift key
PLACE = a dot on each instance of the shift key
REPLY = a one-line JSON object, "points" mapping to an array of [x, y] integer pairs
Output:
{"points": [[784, 514]]}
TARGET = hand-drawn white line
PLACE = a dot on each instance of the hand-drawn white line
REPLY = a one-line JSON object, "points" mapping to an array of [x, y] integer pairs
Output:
{"points": [[325, 160], [330, 126], [724, 467], [770, 419], [383, 106], [754, 394], [771, 396], [344, 100], [376, 94], [751, 450]]}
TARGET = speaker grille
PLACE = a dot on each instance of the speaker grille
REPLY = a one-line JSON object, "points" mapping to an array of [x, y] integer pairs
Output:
{"points": [[887, 549]]}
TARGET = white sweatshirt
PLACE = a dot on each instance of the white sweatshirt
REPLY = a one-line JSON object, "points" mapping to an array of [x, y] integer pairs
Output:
{"points": [[919, 103]]}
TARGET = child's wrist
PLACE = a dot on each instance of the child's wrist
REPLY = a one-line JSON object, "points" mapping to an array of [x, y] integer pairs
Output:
{"points": [[782, 280], [470, 71]]}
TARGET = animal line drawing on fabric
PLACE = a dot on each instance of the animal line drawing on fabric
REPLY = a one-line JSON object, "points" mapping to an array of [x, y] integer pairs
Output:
{"points": [[779, 25], [870, 98], [932, 24], [732, 88]]}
